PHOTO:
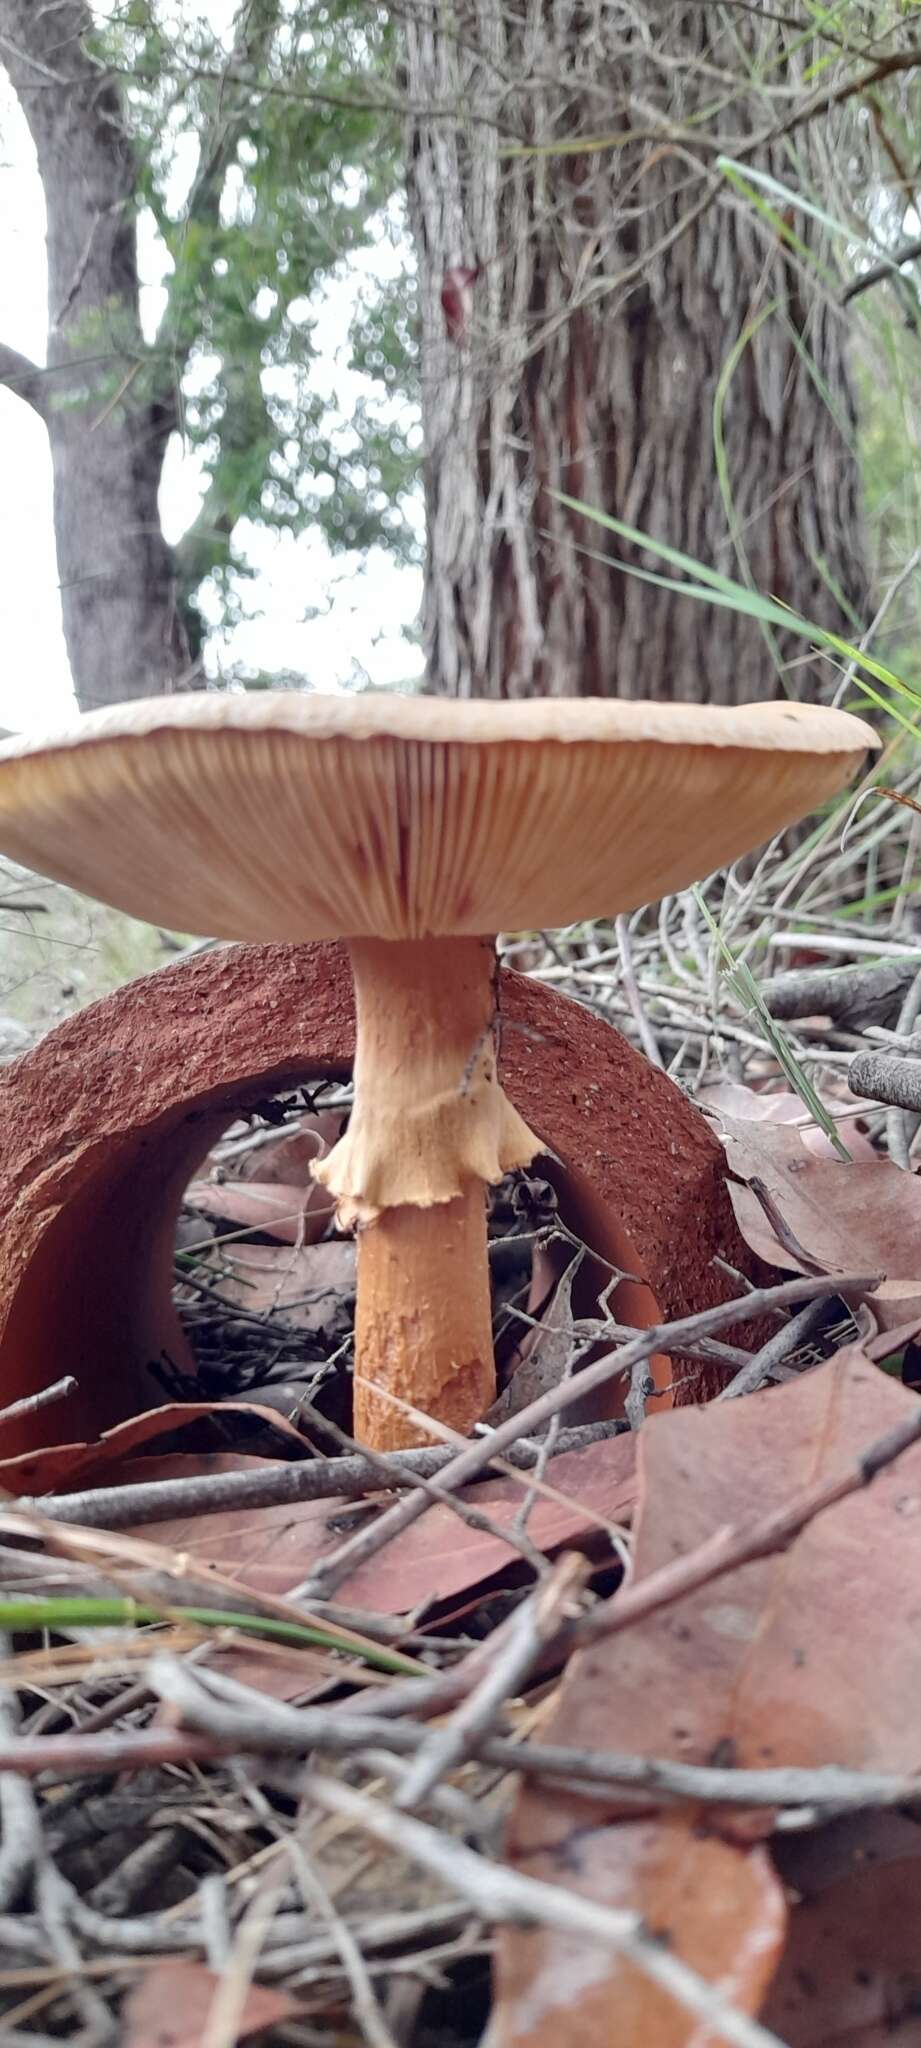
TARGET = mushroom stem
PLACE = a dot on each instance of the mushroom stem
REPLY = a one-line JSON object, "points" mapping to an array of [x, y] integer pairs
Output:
{"points": [[430, 1127], [423, 1323]]}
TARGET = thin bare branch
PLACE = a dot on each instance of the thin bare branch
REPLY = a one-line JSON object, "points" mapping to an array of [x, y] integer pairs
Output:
{"points": [[507, 1896], [348, 1478], [676, 1336]]}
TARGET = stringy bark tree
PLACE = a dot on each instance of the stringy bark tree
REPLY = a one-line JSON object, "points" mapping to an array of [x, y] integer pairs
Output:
{"points": [[584, 309]]}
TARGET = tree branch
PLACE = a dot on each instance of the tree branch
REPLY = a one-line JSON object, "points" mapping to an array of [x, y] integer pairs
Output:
{"points": [[832, 96], [255, 31], [47, 43], [677, 1336], [24, 378], [908, 253]]}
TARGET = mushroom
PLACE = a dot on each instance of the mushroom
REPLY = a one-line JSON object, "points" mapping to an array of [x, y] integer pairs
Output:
{"points": [[414, 828]]}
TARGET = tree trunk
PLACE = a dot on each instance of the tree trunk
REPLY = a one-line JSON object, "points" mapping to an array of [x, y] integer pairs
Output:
{"points": [[108, 411], [586, 355]]}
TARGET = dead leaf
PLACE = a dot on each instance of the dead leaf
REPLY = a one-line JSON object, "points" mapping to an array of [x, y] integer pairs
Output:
{"points": [[821, 1215], [718, 1907], [63, 1465], [312, 1287], [273, 1189], [547, 1351], [281, 1673], [270, 1550], [274, 1208], [807, 1658], [732, 1099], [170, 2006], [292, 1157], [885, 1343], [851, 1971], [183, 1465]]}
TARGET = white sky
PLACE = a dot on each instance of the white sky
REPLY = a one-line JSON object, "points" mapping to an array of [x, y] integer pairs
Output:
{"points": [[366, 607]]}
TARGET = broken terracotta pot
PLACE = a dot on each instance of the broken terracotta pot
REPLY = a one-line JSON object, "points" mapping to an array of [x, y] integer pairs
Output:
{"points": [[107, 1119]]}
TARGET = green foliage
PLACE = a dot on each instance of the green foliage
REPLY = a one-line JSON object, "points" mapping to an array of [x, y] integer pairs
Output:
{"points": [[271, 159], [887, 364], [711, 586], [267, 166]]}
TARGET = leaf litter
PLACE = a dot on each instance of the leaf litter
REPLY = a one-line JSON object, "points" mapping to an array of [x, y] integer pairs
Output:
{"points": [[152, 1785]]}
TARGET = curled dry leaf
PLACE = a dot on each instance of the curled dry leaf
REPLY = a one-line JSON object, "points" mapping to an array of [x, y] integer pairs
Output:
{"points": [[273, 1189], [808, 1658], [292, 1156], [72, 1465], [549, 1346], [819, 1215], [778, 1106], [274, 1208]]}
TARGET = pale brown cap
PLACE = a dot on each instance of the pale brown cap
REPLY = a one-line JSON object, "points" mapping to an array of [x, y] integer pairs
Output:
{"points": [[280, 816]]}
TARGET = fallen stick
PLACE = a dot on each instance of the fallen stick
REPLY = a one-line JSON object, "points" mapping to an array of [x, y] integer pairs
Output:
{"points": [[280, 1485], [883, 1077]]}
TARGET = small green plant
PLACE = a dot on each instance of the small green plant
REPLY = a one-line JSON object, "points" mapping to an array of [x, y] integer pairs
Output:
{"points": [[710, 586]]}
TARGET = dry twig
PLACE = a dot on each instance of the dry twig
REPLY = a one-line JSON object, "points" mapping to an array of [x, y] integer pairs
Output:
{"points": [[679, 1335], [506, 1896], [348, 1478], [533, 1626]]}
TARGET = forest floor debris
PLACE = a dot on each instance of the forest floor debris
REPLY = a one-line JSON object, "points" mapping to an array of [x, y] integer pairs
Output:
{"points": [[164, 1850]]}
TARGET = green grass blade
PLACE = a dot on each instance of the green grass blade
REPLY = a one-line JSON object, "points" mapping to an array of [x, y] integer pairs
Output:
{"points": [[713, 578], [720, 589], [723, 382], [747, 173], [67, 1612], [742, 182], [747, 993]]}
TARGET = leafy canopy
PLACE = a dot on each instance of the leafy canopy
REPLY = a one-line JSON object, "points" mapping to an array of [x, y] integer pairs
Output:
{"points": [[268, 153]]}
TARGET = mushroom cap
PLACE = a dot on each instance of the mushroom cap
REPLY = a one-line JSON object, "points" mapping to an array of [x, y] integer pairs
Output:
{"points": [[281, 816]]}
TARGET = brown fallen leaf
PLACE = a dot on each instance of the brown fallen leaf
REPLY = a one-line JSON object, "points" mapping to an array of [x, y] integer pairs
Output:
{"points": [[887, 1342], [274, 1208], [131, 1471], [269, 1550], [810, 1214], [291, 1157], [312, 1287], [779, 1106], [806, 1658], [286, 1674], [281, 1673], [170, 2006], [851, 1971], [64, 1465], [548, 1348], [272, 1189]]}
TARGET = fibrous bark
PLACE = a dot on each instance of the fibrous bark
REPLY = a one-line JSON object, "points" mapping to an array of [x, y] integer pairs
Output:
{"points": [[579, 306]]}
